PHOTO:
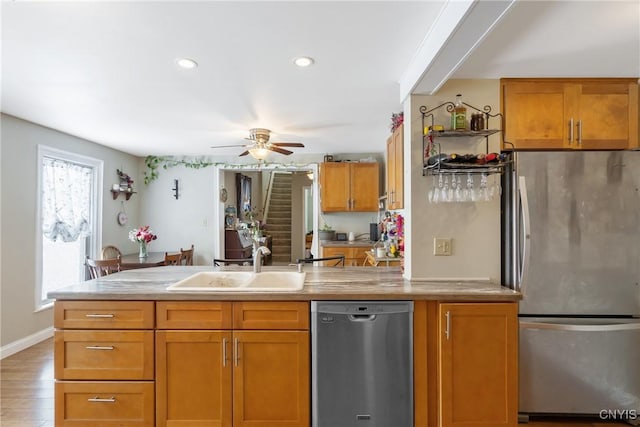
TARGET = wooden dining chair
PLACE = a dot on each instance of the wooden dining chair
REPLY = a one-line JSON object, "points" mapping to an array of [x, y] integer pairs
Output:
{"points": [[172, 259], [102, 267], [111, 252], [186, 256], [330, 261], [217, 262]]}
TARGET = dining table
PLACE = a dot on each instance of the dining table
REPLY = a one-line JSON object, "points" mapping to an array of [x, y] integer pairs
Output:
{"points": [[133, 261]]}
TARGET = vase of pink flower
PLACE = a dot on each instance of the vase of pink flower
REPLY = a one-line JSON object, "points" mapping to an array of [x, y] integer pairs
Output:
{"points": [[143, 236]]}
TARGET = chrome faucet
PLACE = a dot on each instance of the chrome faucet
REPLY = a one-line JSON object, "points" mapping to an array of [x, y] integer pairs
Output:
{"points": [[258, 251]]}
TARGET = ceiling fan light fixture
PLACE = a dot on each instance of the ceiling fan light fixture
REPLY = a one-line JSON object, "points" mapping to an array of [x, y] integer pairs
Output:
{"points": [[303, 61], [259, 153], [186, 63]]}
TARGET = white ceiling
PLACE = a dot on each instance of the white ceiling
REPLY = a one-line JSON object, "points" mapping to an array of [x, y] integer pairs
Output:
{"points": [[105, 71]]}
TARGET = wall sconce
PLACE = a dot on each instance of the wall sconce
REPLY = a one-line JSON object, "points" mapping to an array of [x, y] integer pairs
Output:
{"points": [[175, 188]]}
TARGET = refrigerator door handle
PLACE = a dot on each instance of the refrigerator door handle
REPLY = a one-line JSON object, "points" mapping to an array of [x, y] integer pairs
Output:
{"points": [[526, 234], [581, 327]]}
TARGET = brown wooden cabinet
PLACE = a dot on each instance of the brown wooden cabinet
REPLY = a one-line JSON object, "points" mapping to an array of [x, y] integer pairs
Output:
{"points": [[395, 167], [104, 363], [465, 364], [349, 187], [353, 256], [477, 364], [576, 114], [254, 374]]}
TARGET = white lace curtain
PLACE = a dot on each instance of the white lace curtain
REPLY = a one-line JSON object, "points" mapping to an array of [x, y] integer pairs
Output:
{"points": [[66, 199]]}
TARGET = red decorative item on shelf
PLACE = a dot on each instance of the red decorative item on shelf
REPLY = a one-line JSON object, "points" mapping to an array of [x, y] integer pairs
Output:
{"points": [[396, 120]]}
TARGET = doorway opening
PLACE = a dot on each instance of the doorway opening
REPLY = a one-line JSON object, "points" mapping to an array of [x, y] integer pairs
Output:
{"points": [[282, 200]]}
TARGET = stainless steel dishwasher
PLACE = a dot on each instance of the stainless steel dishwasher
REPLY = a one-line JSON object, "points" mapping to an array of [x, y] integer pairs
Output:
{"points": [[362, 363]]}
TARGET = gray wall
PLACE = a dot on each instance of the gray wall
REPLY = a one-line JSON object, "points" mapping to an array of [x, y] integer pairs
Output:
{"points": [[18, 178]]}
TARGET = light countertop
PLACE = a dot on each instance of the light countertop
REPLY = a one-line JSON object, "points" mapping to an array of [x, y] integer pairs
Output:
{"points": [[321, 283]]}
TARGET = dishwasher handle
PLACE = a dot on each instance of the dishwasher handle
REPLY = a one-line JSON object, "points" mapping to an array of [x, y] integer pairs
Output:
{"points": [[362, 317]]}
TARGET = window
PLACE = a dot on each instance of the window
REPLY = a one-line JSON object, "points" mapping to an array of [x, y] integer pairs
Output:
{"points": [[69, 202]]}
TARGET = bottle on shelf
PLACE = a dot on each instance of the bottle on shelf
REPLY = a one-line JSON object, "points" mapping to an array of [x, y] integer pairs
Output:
{"points": [[459, 115]]}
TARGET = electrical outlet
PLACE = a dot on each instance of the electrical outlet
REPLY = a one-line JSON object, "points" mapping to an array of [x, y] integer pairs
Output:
{"points": [[442, 246]]}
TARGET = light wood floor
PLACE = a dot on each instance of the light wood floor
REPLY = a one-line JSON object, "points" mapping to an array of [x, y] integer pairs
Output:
{"points": [[26, 392]]}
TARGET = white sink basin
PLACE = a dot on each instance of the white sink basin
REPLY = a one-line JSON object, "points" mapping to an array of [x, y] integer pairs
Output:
{"points": [[241, 281]]}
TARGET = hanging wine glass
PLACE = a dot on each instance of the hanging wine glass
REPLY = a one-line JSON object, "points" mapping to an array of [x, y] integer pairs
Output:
{"points": [[445, 189], [437, 193], [484, 191], [458, 192], [496, 189], [469, 191], [432, 190]]}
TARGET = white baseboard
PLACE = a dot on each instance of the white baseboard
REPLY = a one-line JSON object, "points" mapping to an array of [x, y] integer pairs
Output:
{"points": [[26, 342]]}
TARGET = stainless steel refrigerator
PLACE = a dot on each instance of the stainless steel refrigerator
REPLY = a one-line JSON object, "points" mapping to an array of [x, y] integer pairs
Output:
{"points": [[571, 245]]}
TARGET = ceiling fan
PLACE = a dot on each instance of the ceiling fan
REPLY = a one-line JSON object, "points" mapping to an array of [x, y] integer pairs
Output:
{"points": [[261, 145]]}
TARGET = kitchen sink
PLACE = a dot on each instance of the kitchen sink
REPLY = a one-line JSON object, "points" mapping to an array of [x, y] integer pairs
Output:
{"points": [[241, 281]]}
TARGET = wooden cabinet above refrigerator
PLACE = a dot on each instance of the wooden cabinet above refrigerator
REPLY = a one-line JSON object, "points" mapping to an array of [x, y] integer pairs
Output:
{"points": [[570, 114]]}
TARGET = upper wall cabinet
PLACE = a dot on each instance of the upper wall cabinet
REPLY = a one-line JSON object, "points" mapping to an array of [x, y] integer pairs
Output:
{"points": [[395, 166], [349, 187], [573, 114]]}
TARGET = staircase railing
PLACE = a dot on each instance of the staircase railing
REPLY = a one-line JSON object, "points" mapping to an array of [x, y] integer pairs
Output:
{"points": [[267, 201]]}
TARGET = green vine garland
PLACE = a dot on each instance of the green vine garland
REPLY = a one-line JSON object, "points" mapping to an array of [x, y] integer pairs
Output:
{"points": [[154, 163]]}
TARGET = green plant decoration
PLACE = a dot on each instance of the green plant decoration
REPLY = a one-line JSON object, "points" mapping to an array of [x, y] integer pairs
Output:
{"points": [[154, 163]]}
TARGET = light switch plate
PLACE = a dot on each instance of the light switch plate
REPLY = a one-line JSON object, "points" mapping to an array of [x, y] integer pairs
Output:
{"points": [[442, 246]]}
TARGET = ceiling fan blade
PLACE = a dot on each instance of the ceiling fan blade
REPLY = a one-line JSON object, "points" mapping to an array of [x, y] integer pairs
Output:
{"points": [[228, 146], [279, 150], [244, 153], [287, 144]]}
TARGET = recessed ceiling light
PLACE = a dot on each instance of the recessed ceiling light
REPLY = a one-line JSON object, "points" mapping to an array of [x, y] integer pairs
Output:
{"points": [[186, 63], [303, 61]]}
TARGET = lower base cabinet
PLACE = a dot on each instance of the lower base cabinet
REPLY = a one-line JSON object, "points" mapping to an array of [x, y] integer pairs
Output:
{"points": [[247, 364], [466, 364], [235, 377]]}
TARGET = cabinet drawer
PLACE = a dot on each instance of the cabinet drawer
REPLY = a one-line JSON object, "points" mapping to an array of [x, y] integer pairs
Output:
{"points": [[193, 315], [271, 315], [103, 314], [104, 355], [104, 404]]}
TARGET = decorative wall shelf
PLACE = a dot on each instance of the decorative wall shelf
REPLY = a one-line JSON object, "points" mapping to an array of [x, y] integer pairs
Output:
{"points": [[127, 193], [430, 147]]}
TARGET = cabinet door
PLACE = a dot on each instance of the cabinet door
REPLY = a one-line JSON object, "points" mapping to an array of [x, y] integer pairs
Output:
{"points": [[365, 187], [334, 251], [398, 147], [193, 378], [334, 187], [608, 116], [391, 172], [534, 115], [271, 378], [478, 364], [359, 255]]}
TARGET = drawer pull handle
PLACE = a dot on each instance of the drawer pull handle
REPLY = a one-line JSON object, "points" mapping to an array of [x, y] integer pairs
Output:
{"points": [[235, 352], [97, 399], [99, 347], [100, 316], [447, 331], [224, 352]]}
